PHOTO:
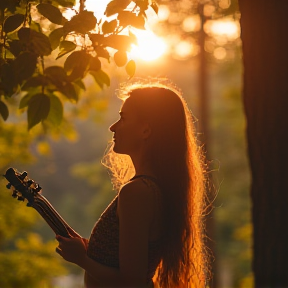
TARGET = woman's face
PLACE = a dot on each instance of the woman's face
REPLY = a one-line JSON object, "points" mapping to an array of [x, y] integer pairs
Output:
{"points": [[129, 130]]}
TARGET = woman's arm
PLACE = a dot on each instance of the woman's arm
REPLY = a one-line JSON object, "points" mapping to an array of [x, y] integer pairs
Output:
{"points": [[135, 211]]}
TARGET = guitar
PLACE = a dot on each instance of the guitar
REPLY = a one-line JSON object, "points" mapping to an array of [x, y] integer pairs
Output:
{"points": [[25, 188]]}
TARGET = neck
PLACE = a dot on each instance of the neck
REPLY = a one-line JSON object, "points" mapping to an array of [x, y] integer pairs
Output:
{"points": [[142, 165]]}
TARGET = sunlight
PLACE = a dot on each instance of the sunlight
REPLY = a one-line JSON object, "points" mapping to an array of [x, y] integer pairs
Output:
{"points": [[150, 47], [185, 49], [223, 28]]}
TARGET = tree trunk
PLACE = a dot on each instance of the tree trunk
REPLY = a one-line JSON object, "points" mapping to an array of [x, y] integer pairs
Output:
{"points": [[264, 25]]}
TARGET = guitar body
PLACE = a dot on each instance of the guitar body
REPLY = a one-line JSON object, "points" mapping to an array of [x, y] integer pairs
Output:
{"points": [[25, 188]]}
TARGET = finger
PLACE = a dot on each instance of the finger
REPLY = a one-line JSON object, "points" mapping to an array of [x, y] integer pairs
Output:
{"points": [[59, 238], [58, 250]]}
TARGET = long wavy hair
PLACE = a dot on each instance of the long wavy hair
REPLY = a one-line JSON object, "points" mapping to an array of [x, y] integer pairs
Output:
{"points": [[180, 170]]}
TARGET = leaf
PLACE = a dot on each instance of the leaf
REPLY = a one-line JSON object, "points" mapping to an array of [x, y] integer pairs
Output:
{"points": [[131, 68], [80, 84], [120, 58], [66, 3], [142, 4], [119, 42], [140, 22], [100, 78], [25, 65], [69, 91], [81, 23], [38, 109], [109, 27], [155, 7], [15, 47], [94, 64], [116, 6], [36, 42], [55, 37], [9, 81], [37, 81], [4, 112], [66, 47], [127, 18], [56, 75], [13, 22], [55, 115], [76, 65], [52, 13], [56, 72], [24, 100]]}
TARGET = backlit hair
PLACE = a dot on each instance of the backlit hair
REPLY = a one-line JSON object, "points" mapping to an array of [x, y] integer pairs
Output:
{"points": [[179, 167]]}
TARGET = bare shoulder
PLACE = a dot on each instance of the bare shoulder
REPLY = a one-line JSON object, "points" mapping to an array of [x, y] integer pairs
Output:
{"points": [[137, 194]]}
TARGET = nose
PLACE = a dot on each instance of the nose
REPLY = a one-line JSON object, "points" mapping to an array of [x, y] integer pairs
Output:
{"points": [[112, 127]]}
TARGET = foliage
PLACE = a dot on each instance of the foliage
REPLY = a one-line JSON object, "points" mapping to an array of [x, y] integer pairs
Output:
{"points": [[31, 32], [25, 261]]}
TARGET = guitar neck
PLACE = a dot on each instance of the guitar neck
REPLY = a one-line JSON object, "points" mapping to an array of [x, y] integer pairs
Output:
{"points": [[51, 216]]}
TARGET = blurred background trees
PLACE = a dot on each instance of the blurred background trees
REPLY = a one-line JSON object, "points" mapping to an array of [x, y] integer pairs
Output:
{"points": [[63, 155]]}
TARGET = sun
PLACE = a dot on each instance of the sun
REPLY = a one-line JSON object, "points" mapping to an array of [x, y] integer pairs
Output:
{"points": [[150, 47]]}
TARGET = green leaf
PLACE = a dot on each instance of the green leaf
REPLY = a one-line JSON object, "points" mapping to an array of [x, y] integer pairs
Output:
{"points": [[37, 81], [76, 65], [4, 112], [24, 100], [127, 18], [25, 65], [9, 81], [102, 52], [119, 42], [116, 6], [52, 13], [69, 91], [66, 47], [131, 68], [13, 22], [36, 42], [56, 72], [94, 64], [55, 115], [100, 78], [109, 27], [120, 58], [55, 37], [38, 109], [56, 75], [81, 23], [80, 84], [15, 47]]}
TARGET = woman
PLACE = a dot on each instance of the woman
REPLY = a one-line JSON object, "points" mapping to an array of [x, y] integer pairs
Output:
{"points": [[152, 231]]}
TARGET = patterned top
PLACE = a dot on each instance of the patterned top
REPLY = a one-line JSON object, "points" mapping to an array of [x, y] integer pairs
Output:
{"points": [[103, 244]]}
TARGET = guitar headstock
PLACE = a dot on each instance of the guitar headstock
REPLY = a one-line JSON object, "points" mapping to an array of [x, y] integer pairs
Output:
{"points": [[23, 187]]}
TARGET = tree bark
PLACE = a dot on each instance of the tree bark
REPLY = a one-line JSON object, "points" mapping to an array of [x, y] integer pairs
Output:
{"points": [[264, 27]]}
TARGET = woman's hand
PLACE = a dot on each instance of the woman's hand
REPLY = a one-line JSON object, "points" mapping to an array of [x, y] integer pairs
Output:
{"points": [[72, 249]]}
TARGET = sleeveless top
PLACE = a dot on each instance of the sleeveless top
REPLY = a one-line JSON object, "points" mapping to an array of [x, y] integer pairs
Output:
{"points": [[103, 244]]}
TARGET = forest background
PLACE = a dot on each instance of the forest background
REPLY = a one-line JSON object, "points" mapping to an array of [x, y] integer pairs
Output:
{"points": [[65, 161]]}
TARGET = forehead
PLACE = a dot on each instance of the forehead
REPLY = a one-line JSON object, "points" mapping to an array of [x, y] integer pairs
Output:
{"points": [[128, 107]]}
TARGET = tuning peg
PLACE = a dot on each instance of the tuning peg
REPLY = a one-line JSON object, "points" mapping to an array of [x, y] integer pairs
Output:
{"points": [[8, 186], [30, 182], [20, 198], [14, 194], [23, 175]]}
